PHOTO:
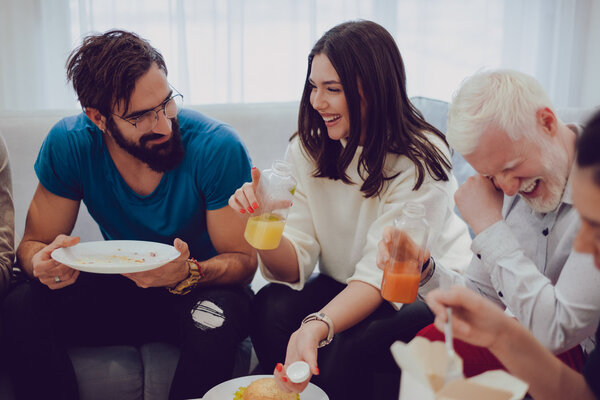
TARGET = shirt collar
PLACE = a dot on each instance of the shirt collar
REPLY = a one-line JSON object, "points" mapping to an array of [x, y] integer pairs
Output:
{"points": [[566, 197]]}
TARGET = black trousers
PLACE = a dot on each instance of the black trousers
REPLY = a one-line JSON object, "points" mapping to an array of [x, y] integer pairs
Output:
{"points": [[39, 324], [358, 363]]}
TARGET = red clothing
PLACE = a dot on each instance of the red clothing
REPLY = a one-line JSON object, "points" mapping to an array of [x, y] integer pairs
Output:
{"points": [[477, 360]]}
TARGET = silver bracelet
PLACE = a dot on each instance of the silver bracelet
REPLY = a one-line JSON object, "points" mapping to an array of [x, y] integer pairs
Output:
{"points": [[321, 317], [429, 273]]}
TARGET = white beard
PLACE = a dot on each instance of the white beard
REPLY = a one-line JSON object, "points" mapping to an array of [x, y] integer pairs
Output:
{"points": [[557, 168]]}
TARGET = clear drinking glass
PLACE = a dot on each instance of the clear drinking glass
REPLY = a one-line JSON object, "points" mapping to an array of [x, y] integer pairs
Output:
{"points": [[402, 274], [275, 193]]}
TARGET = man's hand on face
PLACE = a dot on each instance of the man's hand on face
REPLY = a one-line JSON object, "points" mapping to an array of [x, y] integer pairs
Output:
{"points": [[50, 272], [479, 203], [167, 275]]}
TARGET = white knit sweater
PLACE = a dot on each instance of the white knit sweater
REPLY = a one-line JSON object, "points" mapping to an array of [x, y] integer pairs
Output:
{"points": [[332, 223]]}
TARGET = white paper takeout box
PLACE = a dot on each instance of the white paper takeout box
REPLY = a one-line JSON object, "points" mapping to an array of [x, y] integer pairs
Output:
{"points": [[423, 365]]}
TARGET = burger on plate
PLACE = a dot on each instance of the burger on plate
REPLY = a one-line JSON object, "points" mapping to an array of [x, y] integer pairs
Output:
{"points": [[264, 389]]}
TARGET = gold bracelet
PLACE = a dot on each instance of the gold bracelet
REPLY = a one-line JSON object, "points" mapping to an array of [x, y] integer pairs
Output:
{"points": [[195, 275]]}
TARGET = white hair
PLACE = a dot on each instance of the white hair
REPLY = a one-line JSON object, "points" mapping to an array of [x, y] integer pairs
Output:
{"points": [[504, 99]]}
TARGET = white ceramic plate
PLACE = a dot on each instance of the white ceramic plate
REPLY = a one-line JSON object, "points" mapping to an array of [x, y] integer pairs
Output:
{"points": [[226, 390], [115, 256]]}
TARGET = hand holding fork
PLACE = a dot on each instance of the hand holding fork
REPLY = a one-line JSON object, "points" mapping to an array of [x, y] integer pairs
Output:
{"points": [[454, 366]]}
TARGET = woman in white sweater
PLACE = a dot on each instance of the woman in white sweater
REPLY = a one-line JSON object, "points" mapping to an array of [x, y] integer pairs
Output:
{"points": [[362, 150]]}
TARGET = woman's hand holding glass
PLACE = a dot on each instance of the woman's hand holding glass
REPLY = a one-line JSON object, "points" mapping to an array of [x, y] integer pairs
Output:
{"points": [[244, 199], [393, 236]]}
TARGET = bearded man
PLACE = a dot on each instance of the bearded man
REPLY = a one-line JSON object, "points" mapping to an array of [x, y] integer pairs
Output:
{"points": [[146, 170]]}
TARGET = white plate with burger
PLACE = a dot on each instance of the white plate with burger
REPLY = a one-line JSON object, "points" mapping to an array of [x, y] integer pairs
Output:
{"points": [[230, 390], [116, 256]]}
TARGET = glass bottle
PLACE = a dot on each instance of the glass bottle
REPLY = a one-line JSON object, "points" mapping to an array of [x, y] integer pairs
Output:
{"points": [[402, 274], [274, 193]]}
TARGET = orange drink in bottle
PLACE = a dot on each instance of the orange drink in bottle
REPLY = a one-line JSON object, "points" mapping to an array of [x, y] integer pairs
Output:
{"points": [[401, 282], [402, 274]]}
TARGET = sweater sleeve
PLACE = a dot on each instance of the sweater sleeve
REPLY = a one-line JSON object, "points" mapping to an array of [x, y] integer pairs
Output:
{"points": [[7, 219], [299, 228]]}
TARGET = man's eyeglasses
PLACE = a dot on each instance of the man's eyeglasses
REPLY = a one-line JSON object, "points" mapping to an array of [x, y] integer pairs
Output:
{"points": [[148, 120]]}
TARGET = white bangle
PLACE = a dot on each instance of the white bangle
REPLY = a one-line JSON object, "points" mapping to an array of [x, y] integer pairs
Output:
{"points": [[321, 317]]}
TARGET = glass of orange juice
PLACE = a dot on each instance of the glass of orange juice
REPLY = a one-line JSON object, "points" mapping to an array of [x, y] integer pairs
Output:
{"points": [[275, 193], [264, 231], [402, 274]]}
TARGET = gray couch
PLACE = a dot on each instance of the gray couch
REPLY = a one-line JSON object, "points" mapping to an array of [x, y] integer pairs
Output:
{"points": [[126, 372]]}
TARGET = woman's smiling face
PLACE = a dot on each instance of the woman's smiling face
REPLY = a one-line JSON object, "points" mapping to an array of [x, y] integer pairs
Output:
{"points": [[328, 99]]}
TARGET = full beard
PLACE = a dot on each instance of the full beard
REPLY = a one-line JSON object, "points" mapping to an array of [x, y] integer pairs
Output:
{"points": [[159, 158]]}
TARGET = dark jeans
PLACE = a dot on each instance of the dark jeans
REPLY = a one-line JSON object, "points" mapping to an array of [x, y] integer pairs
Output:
{"points": [[39, 324], [358, 363]]}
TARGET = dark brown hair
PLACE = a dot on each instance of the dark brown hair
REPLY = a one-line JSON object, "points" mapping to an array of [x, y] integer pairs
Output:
{"points": [[105, 68], [588, 147], [363, 51]]}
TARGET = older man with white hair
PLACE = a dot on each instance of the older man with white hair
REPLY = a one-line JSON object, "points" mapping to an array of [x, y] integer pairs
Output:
{"points": [[519, 207]]}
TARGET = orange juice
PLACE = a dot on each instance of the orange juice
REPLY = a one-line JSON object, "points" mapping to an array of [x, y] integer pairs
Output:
{"points": [[400, 282], [263, 232]]}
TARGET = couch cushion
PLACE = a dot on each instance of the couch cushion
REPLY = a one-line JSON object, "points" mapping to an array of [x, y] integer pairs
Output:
{"points": [[436, 113], [160, 361], [108, 372]]}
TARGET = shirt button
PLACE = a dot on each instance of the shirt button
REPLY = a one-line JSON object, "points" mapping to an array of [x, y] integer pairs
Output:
{"points": [[545, 232], [479, 256], [500, 294]]}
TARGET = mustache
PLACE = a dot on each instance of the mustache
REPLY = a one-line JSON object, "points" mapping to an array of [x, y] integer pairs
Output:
{"points": [[150, 136]]}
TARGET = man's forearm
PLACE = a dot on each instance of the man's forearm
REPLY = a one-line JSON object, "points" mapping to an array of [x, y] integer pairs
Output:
{"points": [[229, 268], [523, 355], [25, 253]]}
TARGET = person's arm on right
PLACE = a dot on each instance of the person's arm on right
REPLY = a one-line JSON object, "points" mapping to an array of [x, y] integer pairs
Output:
{"points": [[49, 219], [480, 322]]}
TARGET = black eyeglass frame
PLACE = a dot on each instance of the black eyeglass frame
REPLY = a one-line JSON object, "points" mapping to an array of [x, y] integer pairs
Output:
{"points": [[161, 107]]}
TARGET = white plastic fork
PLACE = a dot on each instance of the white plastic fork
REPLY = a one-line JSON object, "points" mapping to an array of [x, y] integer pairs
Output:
{"points": [[454, 367]]}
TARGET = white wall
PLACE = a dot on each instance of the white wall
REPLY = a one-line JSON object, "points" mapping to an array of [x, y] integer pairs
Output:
{"points": [[590, 96]]}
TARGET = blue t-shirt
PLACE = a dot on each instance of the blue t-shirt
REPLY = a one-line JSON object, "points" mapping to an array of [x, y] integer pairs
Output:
{"points": [[75, 163]]}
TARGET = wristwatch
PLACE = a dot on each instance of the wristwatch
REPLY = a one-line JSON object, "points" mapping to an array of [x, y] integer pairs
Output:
{"points": [[430, 271], [321, 317], [195, 275]]}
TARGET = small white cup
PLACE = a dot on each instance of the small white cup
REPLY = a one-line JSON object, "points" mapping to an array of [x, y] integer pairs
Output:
{"points": [[298, 371]]}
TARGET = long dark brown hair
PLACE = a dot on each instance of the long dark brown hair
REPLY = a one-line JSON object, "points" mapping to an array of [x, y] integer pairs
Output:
{"points": [[105, 68], [363, 51]]}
